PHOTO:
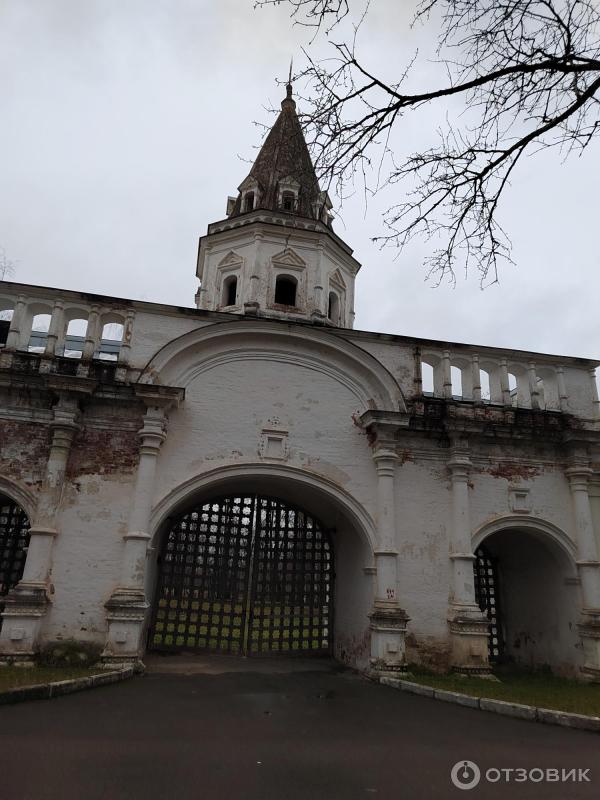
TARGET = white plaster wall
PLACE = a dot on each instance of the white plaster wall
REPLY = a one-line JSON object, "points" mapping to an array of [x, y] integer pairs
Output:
{"points": [[152, 331], [422, 512], [353, 595], [87, 556], [228, 406], [397, 358], [549, 497], [257, 259]]}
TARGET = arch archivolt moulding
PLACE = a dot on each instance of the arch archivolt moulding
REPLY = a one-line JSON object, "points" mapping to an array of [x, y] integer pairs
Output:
{"points": [[19, 494], [181, 360], [525, 522], [206, 482]]}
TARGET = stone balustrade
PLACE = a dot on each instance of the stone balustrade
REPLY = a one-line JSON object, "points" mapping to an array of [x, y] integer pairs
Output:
{"points": [[72, 330], [508, 378], [53, 330]]}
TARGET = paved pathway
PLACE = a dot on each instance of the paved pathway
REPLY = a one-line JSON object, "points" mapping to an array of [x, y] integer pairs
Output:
{"points": [[286, 732]]}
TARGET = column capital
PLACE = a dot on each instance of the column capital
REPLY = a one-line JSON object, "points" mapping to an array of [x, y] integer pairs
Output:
{"points": [[154, 430], [579, 475], [385, 459], [460, 463], [65, 421]]}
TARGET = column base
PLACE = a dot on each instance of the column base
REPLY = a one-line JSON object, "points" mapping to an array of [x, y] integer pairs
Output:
{"points": [[25, 606], [126, 614], [469, 640], [251, 308], [388, 632], [589, 630]]}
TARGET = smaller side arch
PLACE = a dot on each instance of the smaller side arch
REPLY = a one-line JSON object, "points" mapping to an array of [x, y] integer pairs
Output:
{"points": [[533, 525]]}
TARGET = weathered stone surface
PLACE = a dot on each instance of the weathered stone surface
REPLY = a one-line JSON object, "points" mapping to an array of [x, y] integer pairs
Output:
{"points": [[508, 709], [456, 697], [580, 721]]}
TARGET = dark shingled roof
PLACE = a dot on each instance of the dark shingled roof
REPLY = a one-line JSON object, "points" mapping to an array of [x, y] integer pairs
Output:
{"points": [[284, 154]]}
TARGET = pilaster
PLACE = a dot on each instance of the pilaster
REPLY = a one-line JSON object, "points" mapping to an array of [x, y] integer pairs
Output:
{"points": [[27, 603], [588, 563], [388, 619], [469, 629], [127, 606]]}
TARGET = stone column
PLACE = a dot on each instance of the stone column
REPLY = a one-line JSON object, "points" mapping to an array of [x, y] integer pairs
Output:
{"points": [[418, 373], [319, 312], [563, 397], [14, 333], [533, 386], [388, 619], [55, 329], [27, 603], [504, 384], [446, 375], [588, 566], [595, 400], [252, 304], [476, 378], [469, 629], [127, 606], [92, 334]]}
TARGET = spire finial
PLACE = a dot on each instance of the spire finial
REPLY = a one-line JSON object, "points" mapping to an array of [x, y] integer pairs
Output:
{"points": [[288, 87]]}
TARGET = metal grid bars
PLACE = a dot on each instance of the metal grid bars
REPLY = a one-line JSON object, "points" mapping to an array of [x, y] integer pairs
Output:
{"points": [[247, 575], [291, 582], [14, 540], [204, 570], [487, 596]]}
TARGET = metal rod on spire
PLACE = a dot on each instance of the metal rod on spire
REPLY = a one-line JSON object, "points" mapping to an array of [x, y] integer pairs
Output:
{"points": [[289, 83]]}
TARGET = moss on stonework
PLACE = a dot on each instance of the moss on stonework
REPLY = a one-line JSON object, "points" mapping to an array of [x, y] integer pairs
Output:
{"points": [[69, 653], [17, 677]]}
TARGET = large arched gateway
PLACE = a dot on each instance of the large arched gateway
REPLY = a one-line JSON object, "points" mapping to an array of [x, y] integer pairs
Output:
{"points": [[244, 574]]}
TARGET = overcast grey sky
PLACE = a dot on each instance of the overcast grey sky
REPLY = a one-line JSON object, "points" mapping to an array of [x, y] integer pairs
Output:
{"points": [[124, 126]]}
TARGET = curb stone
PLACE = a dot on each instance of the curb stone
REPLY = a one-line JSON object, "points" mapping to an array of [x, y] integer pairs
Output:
{"points": [[508, 709], [553, 717], [44, 691], [457, 697], [546, 715], [408, 686]]}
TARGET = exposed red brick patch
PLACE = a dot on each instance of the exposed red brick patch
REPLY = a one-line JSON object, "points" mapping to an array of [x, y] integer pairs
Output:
{"points": [[511, 470], [103, 452], [24, 451]]}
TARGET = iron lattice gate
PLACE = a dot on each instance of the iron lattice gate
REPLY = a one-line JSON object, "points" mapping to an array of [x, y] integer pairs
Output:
{"points": [[486, 595], [245, 575], [14, 539]]}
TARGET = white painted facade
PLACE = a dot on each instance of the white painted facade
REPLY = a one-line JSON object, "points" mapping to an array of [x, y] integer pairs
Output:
{"points": [[262, 396]]}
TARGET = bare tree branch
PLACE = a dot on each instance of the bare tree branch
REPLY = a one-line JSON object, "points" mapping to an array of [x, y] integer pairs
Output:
{"points": [[528, 74]]}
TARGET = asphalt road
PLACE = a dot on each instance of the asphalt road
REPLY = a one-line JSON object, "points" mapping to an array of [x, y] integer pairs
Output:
{"points": [[317, 734]]}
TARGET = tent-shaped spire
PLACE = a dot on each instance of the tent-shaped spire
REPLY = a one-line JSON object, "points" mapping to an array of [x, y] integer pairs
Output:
{"points": [[283, 177]]}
